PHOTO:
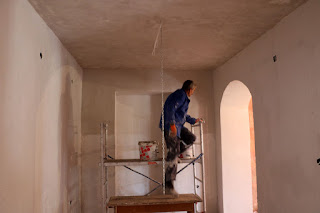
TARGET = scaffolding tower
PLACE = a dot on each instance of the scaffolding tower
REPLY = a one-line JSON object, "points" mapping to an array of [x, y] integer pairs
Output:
{"points": [[197, 162]]}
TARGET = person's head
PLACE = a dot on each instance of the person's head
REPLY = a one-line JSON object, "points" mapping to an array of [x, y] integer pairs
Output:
{"points": [[189, 87]]}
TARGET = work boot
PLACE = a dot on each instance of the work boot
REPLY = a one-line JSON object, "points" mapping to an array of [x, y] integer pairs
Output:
{"points": [[172, 191]]}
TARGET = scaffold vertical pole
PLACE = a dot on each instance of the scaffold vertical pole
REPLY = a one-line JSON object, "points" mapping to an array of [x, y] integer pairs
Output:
{"points": [[203, 168], [194, 170], [103, 174]]}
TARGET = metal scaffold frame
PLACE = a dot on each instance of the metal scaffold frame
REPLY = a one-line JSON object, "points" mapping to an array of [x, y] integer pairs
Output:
{"points": [[201, 179], [107, 160]]}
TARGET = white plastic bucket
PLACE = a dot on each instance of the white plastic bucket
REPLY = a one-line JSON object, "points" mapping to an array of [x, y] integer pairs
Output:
{"points": [[148, 150], [186, 154]]}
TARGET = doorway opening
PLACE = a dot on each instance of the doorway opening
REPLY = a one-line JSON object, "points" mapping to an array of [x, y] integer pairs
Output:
{"points": [[238, 150]]}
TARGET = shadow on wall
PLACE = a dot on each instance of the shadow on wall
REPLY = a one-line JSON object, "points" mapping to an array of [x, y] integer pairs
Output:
{"points": [[57, 168], [68, 157], [253, 159]]}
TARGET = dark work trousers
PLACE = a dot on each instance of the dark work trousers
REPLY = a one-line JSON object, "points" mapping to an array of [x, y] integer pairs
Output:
{"points": [[175, 147]]}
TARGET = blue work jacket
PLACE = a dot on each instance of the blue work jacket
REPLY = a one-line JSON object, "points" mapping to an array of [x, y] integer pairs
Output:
{"points": [[175, 111]]}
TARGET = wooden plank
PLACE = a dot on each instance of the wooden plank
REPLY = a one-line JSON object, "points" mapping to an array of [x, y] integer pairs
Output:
{"points": [[152, 200], [189, 207], [132, 162]]}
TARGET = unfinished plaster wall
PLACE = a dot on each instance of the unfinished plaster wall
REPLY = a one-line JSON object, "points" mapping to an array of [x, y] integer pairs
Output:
{"points": [[99, 88], [286, 103], [136, 119], [40, 111]]}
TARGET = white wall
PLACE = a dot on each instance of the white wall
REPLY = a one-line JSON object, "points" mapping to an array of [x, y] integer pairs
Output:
{"points": [[40, 110], [286, 103], [99, 88], [137, 119]]}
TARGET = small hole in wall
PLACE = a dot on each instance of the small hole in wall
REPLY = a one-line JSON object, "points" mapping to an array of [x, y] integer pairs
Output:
{"points": [[41, 55], [274, 58], [70, 202]]}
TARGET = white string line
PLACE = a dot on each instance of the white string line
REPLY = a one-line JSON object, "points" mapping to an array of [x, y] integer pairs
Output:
{"points": [[156, 43], [155, 46], [162, 105]]}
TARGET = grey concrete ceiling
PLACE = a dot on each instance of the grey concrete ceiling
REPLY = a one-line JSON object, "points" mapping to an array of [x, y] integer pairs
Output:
{"points": [[197, 34]]}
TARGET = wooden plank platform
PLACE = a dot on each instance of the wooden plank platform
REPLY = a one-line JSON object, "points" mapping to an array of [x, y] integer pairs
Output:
{"points": [[154, 203], [132, 162]]}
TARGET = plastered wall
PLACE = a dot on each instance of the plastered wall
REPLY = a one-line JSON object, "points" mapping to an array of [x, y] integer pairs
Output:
{"points": [[40, 111], [286, 103], [137, 116], [99, 89]]}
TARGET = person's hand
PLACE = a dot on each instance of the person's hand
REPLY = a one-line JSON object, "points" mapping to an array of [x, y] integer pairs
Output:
{"points": [[173, 130], [199, 120]]}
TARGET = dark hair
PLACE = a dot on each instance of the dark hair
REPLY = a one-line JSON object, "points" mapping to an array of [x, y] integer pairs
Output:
{"points": [[188, 84]]}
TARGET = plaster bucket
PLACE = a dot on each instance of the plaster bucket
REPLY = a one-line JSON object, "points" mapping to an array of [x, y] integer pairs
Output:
{"points": [[148, 150], [186, 154]]}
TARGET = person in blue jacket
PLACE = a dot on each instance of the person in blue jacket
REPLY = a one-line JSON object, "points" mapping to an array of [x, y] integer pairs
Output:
{"points": [[178, 138]]}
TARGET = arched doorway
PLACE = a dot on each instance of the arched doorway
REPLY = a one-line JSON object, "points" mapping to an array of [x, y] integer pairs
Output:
{"points": [[237, 148]]}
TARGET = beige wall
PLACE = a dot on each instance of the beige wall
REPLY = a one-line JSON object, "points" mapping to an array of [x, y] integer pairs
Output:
{"points": [[286, 103], [99, 88], [40, 129], [253, 159], [235, 149]]}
